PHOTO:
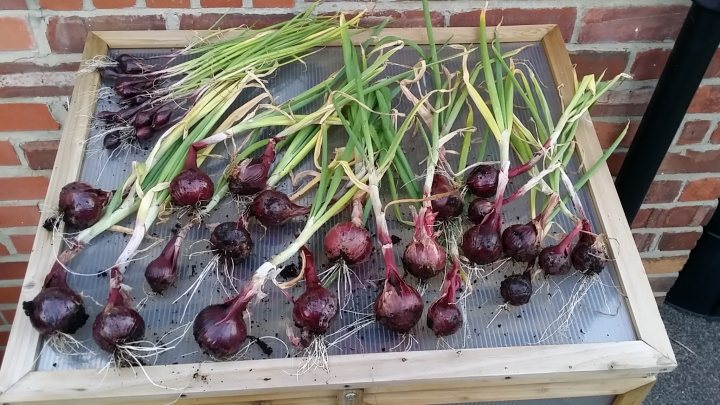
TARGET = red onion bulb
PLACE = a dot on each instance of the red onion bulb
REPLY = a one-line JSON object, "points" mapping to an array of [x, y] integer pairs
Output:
{"points": [[516, 289], [424, 258], [522, 242], [444, 317], [317, 306], [589, 256], [117, 323], [161, 273], [399, 306], [191, 186], [349, 241], [232, 240], [481, 244], [220, 329], [483, 181], [478, 209], [250, 176], [81, 204], [449, 206], [272, 207]]}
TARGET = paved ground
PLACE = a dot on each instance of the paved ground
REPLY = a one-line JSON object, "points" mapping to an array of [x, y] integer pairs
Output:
{"points": [[696, 380]]}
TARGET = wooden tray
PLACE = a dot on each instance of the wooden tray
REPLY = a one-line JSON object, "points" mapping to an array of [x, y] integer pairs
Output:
{"points": [[627, 369]]}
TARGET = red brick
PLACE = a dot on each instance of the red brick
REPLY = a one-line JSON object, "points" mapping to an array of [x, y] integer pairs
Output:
{"points": [[693, 132], [615, 161], [8, 157], [662, 265], [632, 24], [662, 283], [713, 69], [26, 117], [19, 216], [623, 103], [702, 189], [9, 315], [398, 19], [678, 241], [13, 5], [41, 154], [563, 17], [4, 335], [113, 3], [12, 270], [677, 217], [4, 250], [691, 162], [9, 295], [649, 64], [28, 67], [223, 21], [23, 243], [68, 34], [715, 136], [168, 3], [15, 34], [643, 241], [273, 3], [220, 3], [597, 62], [61, 4], [706, 100], [663, 191], [641, 219], [607, 132], [35, 91], [23, 188]]}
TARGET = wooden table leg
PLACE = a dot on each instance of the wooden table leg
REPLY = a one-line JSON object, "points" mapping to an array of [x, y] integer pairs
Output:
{"points": [[636, 396]]}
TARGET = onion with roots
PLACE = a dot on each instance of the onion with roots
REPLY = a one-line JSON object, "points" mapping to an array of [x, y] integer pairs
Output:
{"points": [[315, 309], [483, 181], [399, 306], [449, 206], [589, 256], [521, 242], [517, 289], [232, 240], [81, 205], [481, 243], [57, 308], [118, 323], [478, 209], [191, 186], [349, 241], [271, 207], [424, 257], [220, 329], [555, 260], [250, 175], [444, 317]]}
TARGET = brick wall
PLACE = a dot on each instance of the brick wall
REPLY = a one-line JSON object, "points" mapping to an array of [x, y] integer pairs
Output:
{"points": [[41, 41]]}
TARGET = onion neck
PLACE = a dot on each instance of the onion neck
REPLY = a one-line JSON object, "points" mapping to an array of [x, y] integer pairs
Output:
{"points": [[564, 245], [191, 157], [311, 278], [452, 282]]}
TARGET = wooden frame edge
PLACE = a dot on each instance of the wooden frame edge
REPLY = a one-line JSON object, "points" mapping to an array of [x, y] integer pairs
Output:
{"points": [[648, 324], [22, 345], [492, 366], [464, 35], [635, 396]]}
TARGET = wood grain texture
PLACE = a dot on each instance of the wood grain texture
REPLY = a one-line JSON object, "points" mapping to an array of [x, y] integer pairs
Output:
{"points": [[474, 367], [457, 35], [636, 396], [22, 346], [621, 247]]}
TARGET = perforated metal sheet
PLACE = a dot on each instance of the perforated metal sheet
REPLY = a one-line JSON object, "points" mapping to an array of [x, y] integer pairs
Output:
{"points": [[600, 317]]}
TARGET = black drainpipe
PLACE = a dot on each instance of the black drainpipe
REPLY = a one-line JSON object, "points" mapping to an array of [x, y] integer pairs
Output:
{"points": [[694, 48], [697, 288]]}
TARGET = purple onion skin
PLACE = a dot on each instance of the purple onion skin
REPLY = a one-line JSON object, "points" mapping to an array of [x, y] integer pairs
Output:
{"points": [[589, 259], [250, 176], [483, 181], [478, 209], [57, 308], [446, 207], [316, 308], [520, 242], [220, 329], [112, 141], [398, 307], [554, 262], [272, 208], [161, 118], [232, 240], [349, 242], [161, 273], [81, 204], [423, 257], [191, 187], [516, 289], [219, 332], [481, 244], [144, 133], [444, 317], [117, 324]]}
